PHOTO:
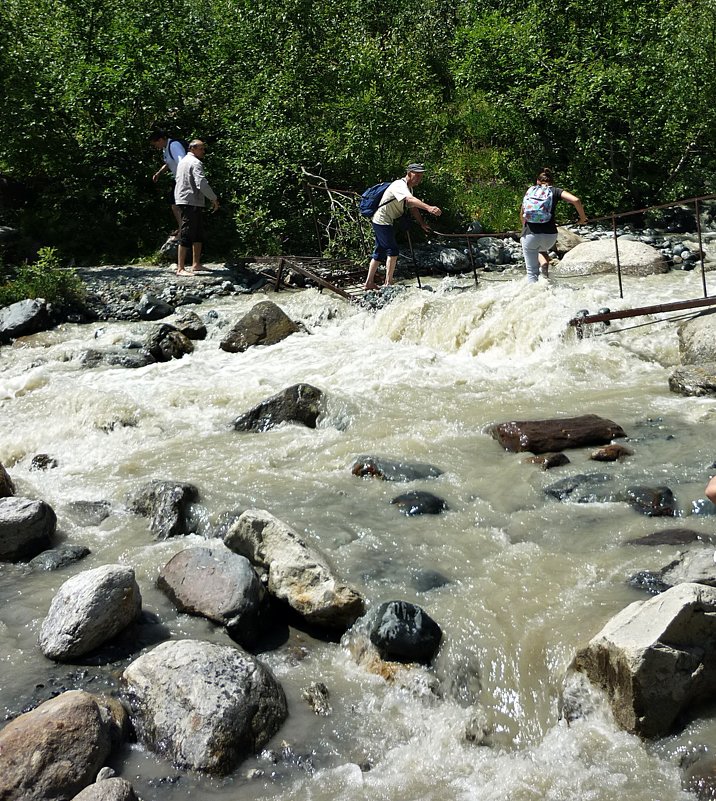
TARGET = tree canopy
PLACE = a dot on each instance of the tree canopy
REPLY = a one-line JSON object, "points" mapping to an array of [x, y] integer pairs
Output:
{"points": [[618, 97]]}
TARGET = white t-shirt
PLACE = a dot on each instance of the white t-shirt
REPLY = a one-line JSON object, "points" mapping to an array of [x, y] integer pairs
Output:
{"points": [[396, 193]]}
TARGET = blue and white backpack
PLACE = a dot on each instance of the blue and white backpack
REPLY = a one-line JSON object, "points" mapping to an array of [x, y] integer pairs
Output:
{"points": [[537, 204]]}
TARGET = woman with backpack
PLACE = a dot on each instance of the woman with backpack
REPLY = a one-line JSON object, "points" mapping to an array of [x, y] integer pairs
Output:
{"points": [[539, 229]]}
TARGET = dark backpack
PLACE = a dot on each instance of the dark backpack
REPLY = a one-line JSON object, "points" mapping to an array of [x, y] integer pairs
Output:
{"points": [[370, 199]]}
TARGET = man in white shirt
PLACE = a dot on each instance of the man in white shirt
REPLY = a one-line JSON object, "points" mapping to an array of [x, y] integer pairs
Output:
{"points": [[396, 199], [172, 152], [191, 192]]}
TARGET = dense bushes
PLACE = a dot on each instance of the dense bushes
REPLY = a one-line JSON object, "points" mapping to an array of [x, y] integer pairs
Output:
{"points": [[616, 96]]}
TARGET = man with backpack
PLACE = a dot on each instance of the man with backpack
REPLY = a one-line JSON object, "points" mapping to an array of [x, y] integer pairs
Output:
{"points": [[539, 228], [391, 204], [173, 151]]}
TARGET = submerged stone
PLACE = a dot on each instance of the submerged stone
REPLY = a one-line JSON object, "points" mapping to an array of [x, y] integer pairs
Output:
{"points": [[388, 470], [419, 503]]}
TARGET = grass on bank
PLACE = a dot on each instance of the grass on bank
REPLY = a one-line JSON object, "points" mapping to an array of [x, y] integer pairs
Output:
{"points": [[45, 278]]}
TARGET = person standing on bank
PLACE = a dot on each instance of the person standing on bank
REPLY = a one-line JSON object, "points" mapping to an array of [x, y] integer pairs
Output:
{"points": [[173, 152], [395, 200], [191, 192], [539, 229]]}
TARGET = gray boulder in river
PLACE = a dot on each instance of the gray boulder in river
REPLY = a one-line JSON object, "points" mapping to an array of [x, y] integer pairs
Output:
{"points": [[167, 504], [218, 584], [264, 324], [88, 610], [297, 573], [26, 528], [696, 380], [656, 659], [388, 470], [112, 789], [203, 706], [165, 342], [7, 487], [55, 750], [599, 256], [697, 339], [22, 318], [300, 403]]}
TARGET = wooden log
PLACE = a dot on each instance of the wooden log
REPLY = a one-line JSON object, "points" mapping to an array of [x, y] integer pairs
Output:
{"points": [[545, 436]]}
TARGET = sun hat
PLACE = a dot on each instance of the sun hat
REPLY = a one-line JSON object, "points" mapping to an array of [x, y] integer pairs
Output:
{"points": [[415, 167]]}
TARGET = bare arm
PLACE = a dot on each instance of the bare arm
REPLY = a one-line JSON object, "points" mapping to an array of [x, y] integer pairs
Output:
{"points": [[416, 205], [162, 169], [577, 203], [711, 490]]}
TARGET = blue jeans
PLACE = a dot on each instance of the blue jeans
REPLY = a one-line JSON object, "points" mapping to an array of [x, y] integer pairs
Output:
{"points": [[532, 246], [385, 242]]}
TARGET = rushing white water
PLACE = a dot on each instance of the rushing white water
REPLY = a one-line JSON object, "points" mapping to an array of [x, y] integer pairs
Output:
{"points": [[530, 579]]}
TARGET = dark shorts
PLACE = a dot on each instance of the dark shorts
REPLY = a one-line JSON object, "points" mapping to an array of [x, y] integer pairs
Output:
{"points": [[385, 242], [191, 228]]}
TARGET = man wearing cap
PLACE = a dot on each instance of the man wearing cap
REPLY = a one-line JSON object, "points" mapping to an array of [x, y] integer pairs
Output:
{"points": [[395, 200]]}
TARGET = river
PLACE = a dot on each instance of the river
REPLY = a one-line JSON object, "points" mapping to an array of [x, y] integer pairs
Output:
{"points": [[529, 579]]}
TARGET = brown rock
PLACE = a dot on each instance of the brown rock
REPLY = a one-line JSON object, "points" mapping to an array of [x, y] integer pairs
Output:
{"points": [[548, 460], [54, 751], [264, 324], [546, 436], [610, 453]]}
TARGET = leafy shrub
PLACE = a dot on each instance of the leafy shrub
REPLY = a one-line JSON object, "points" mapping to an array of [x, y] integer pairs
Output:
{"points": [[45, 278]]}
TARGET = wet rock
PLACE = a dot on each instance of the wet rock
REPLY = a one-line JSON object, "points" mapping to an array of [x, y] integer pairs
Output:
{"points": [[23, 318], [54, 751], [582, 488], [317, 697], [695, 565], [300, 403], [700, 777], [88, 513], [168, 506], [224, 523], [191, 325], [669, 536], [454, 260], [216, 583], [548, 460], [425, 580], [165, 342], [546, 436], [697, 338], [43, 461], [59, 557], [88, 610], [130, 359], [264, 324], [26, 528], [694, 380], [151, 307], [703, 507], [403, 632], [611, 453], [297, 573], [7, 487], [112, 789], [566, 240], [656, 659], [420, 503], [652, 501], [374, 466], [599, 256], [204, 706], [649, 581]]}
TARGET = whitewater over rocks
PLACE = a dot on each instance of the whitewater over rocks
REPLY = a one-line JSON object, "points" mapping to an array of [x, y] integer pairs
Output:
{"points": [[237, 622]]}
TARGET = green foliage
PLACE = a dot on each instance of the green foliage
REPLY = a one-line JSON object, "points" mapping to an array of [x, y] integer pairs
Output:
{"points": [[614, 96], [45, 278]]}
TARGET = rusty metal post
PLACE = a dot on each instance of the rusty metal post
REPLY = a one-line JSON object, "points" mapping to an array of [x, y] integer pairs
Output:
{"points": [[279, 274], [701, 250], [616, 250], [472, 258], [412, 255]]}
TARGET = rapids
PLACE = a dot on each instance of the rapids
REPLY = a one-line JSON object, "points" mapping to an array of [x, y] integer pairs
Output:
{"points": [[529, 579]]}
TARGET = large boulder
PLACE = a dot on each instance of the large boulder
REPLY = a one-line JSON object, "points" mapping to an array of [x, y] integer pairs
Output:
{"points": [[55, 750], [218, 584], [697, 339], [300, 403], [112, 789], [167, 504], [566, 240], [545, 436], [88, 610], [26, 528], [151, 307], [191, 325], [696, 380], [265, 324], [59, 557], [204, 706], [22, 318], [297, 573], [599, 256], [116, 357], [656, 659]]}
